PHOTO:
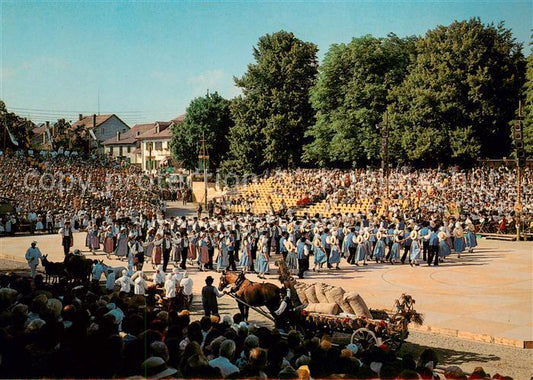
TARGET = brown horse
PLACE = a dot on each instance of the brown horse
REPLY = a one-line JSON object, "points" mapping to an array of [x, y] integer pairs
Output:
{"points": [[253, 293]]}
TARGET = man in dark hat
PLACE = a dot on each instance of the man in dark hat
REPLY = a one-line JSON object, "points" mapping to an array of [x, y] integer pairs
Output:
{"points": [[66, 237], [209, 297]]}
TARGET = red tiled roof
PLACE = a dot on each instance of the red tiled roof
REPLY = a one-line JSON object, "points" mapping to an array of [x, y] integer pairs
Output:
{"points": [[38, 130], [178, 119], [165, 131], [129, 137], [88, 120]]}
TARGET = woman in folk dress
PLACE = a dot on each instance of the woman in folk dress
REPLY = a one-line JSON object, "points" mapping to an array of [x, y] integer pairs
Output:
{"points": [[444, 247], [458, 240], [157, 252], [263, 257], [122, 244], [291, 260], [223, 258], [39, 226], [395, 249], [414, 251], [470, 238], [108, 241], [192, 252], [94, 240], [320, 255], [246, 253], [203, 256], [379, 248], [335, 254]]}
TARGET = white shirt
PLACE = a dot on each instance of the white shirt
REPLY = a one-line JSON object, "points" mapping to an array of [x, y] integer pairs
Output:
{"points": [[170, 288], [186, 284], [224, 365], [33, 255], [158, 278], [140, 286], [125, 283], [110, 281]]}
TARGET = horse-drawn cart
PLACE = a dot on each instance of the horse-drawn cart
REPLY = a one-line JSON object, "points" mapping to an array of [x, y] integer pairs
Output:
{"points": [[386, 327]]}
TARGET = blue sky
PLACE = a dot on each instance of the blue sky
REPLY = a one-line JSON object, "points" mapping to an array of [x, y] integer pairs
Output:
{"points": [[146, 60]]}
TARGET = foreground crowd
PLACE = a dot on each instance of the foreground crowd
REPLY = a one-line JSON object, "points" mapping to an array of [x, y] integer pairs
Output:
{"points": [[56, 331]]}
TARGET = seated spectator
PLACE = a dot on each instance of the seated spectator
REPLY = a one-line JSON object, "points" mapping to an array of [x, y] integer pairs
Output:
{"points": [[223, 361]]}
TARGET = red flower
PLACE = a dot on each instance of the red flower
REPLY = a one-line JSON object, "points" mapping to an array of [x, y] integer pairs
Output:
{"points": [[305, 312]]}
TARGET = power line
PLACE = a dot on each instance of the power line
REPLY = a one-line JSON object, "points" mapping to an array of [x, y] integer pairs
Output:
{"points": [[64, 111]]}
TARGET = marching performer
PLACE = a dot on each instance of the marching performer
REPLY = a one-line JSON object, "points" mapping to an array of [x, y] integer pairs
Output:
{"points": [[379, 248], [335, 254], [414, 251]]}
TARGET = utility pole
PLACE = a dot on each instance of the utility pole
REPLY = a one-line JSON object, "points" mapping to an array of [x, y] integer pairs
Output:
{"points": [[520, 161], [385, 157], [204, 158]]}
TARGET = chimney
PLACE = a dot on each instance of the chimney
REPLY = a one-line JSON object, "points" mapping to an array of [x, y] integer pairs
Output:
{"points": [[80, 116], [118, 135], [94, 121]]}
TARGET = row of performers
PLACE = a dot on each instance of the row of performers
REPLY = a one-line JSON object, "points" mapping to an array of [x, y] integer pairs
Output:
{"points": [[251, 249]]}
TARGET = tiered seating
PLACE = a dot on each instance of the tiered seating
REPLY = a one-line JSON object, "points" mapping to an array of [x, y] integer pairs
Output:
{"points": [[267, 196]]}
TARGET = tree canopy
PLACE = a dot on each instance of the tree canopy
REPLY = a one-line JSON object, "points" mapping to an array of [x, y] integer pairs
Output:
{"points": [[274, 111], [207, 116], [354, 86], [460, 94], [528, 107]]}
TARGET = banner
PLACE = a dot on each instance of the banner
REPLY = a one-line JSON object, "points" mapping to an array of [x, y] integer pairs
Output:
{"points": [[49, 135], [11, 136], [91, 132]]}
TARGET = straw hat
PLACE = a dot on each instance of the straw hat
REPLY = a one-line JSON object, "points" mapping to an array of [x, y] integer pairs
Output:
{"points": [[413, 235], [442, 235], [156, 368], [360, 239]]}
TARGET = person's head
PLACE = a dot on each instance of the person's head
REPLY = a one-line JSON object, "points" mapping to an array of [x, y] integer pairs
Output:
{"points": [[33, 244], [209, 280], [227, 349], [258, 357]]}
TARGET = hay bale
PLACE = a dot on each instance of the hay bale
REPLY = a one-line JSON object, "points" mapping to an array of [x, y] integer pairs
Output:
{"points": [[310, 294], [336, 294], [320, 295], [323, 308], [357, 304], [300, 292]]}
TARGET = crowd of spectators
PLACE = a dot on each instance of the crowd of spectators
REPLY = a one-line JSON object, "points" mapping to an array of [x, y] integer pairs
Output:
{"points": [[56, 331], [46, 192], [482, 194]]}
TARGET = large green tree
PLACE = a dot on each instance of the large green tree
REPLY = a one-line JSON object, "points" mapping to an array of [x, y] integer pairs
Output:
{"points": [[274, 111], [352, 92], [461, 93], [207, 116]]}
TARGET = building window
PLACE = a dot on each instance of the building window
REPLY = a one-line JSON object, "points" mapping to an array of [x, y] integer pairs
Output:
{"points": [[120, 152], [158, 145], [129, 149], [111, 151], [102, 130]]}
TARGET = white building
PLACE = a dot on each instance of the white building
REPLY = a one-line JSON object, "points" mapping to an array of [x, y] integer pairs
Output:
{"points": [[126, 146], [155, 144], [103, 126]]}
